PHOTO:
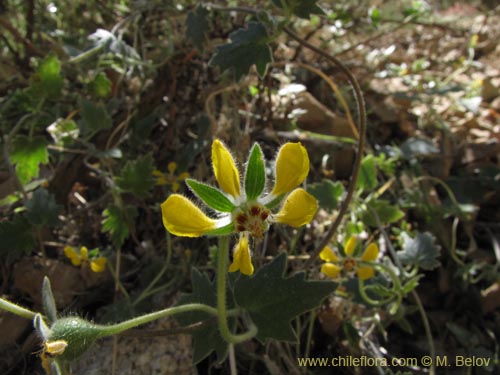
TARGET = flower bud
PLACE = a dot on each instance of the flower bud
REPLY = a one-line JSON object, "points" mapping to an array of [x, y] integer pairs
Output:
{"points": [[78, 333]]}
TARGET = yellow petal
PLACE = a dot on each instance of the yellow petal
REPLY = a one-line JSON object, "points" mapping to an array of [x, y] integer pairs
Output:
{"points": [[331, 270], [350, 246], [98, 264], [299, 209], [292, 167], [175, 187], [241, 258], [365, 273], [371, 253], [225, 169], [72, 255], [183, 176], [84, 253], [182, 218], [328, 255], [171, 167]]}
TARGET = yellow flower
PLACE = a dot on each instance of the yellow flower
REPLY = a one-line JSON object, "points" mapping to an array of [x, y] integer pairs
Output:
{"points": [[292, 168], [81, 258], [170, 178], [244, 208], [335, 265], [241, 257]]}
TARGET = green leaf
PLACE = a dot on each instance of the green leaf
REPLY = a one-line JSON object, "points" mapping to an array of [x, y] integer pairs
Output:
{"points": [[136, 176], [273, 300], [207, 338], [255, 175], [327, 193], [248, 47], [42, 209], [367, 179], [100, 86], [28, 154], [225, 230], [386, 213], [197, 27], [211, 196], [117, 222], [47, 80], [301, 8], [17, 238], [49, 303], [421, 251], [95, 116]]}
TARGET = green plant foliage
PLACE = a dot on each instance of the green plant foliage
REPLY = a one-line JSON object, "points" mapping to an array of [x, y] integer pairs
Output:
{"points": [[248, 47], [47, 81], [117, 222], [197, 27], [28, 153], [301, 8], [207, 338], [136, 176], [100, 86], [367, 179], [95, 117], [273, 300], [421, 251], [327, 193], [255, 175], [17, 238], [385, 211], [211, 196], [42, 209]]}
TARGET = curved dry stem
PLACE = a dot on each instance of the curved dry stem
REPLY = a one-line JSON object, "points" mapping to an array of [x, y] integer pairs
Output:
{"points": [[334, 88], [210, 99], [360, 145]]}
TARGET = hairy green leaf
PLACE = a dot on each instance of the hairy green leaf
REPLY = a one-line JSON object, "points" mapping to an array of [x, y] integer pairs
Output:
{"points": [[17, 238], [28, 153], [327, 193], [42, 209], [117, 222], [207, 338], [95, 116], [136, 176], [255, 175], [100, 86], [197, 26], [382, 210], [47, 81], [421, 251], [273, 300], [211, 196], [248, 47], [367, 179]]}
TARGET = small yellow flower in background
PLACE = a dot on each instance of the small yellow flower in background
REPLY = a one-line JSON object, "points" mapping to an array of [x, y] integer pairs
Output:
{"points": [[335, 265], [244, 208], [81, 258], [170, 178]]}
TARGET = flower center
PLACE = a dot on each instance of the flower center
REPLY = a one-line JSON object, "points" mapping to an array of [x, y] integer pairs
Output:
{"points": [[252, 219], [349, 264]]}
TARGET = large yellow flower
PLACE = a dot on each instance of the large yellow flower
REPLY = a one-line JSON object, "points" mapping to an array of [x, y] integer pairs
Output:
{"points": [[244, 208], [335, 265]]}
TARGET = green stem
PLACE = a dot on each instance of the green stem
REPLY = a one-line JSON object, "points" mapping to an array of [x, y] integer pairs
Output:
{"points": [[396, 286], [428, 331], [149, 289], [16, 309], [108, 330], [222, 260]]}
